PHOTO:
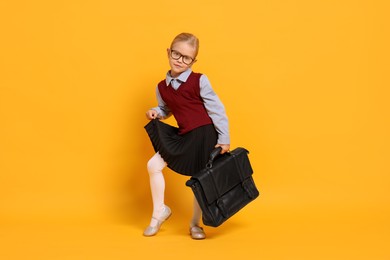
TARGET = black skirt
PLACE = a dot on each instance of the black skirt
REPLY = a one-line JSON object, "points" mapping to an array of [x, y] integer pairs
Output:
{"points": [[186, 154]]}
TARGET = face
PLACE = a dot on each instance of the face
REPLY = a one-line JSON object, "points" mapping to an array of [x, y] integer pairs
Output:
{"points": [[178, 66]]}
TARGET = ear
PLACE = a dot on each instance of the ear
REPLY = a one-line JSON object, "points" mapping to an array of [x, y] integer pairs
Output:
{"points": [[168, 52]]}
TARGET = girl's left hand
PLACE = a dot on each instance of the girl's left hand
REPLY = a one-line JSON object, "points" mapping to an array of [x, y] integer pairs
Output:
{"points": [[225, 148]]}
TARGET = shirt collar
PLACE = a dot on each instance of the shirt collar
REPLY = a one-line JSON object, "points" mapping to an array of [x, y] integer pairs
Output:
{"points": [[182, 77]]}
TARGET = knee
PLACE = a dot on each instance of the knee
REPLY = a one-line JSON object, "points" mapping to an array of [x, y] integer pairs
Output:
{"points": [[155, 165], [150, 166]]}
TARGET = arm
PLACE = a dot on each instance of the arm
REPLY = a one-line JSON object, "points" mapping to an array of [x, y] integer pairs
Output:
{"points": [[216, 111], [162, 111]]}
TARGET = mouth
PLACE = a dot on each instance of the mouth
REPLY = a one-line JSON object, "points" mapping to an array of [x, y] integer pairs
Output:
{"points": [[177, 65]]}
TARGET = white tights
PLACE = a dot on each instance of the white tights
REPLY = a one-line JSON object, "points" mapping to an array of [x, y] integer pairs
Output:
{"points": [[155, 166]]}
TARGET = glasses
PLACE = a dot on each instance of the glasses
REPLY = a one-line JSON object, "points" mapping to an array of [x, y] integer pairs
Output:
{"points": [[177, 55]]}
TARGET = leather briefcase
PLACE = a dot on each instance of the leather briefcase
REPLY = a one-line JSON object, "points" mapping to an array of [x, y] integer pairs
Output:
{"points": [[225, 186]]}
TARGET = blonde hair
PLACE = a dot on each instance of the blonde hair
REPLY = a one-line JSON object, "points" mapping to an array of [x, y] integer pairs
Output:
{"points": [[189, 38]]}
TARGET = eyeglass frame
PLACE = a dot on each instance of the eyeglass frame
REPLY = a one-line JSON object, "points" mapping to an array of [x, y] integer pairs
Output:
{"points": [[182, 57]]}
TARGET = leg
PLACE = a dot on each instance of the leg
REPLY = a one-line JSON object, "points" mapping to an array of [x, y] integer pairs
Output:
{"points": [[161, 212], [197, 214], [196, 231]]}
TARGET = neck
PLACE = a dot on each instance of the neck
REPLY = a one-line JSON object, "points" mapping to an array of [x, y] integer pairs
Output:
{"points": [[174, 75]]}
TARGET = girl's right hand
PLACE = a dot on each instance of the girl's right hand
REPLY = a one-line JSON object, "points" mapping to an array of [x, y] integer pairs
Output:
{"points": [[151, 114]]}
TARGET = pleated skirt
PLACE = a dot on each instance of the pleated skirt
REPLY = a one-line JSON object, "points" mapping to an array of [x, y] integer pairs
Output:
{"points": [[185, 154]]}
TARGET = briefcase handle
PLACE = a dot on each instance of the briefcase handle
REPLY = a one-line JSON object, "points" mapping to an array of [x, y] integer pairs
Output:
{"points": [[213, 155]]}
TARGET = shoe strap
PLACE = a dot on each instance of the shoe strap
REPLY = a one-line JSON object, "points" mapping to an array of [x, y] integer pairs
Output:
{"points": [[160, 219], [196, 229]]}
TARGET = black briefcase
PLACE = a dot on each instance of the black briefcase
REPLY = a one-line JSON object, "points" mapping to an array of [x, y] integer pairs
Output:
{"points": [[225, 186]]}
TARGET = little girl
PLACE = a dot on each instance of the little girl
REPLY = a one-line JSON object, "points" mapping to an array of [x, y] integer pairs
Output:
{"points": [[202, 126]]}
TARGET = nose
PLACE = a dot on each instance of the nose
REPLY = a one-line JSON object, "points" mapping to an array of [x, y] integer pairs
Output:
{"points": [[181, 59]]}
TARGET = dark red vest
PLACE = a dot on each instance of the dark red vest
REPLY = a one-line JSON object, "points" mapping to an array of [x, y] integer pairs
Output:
{"points": [[186, 103]]}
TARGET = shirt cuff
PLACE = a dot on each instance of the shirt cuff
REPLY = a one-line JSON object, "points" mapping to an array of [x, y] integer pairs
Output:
{"points": [[160, 113], [223, 139]]}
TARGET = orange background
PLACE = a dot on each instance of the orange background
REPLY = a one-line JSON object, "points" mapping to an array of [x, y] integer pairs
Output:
{"points": [[305, 84]]}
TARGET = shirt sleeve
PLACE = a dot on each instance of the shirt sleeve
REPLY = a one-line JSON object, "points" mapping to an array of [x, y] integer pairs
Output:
{"points": [[215, 109], [162, 108]]}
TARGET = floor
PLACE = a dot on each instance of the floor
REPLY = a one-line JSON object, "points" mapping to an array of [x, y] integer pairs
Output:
{"points": [[269, 233]]}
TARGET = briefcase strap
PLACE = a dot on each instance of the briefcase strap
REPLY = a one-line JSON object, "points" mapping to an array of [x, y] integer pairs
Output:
{"points": [[238, 168]]}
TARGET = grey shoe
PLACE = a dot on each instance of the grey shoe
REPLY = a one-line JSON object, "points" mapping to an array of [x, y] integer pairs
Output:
{"points": [[151, 231], [197, 233]]}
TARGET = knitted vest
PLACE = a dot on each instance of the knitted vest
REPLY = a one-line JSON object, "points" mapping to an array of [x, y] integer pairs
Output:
{"points": [[186, 103]]}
